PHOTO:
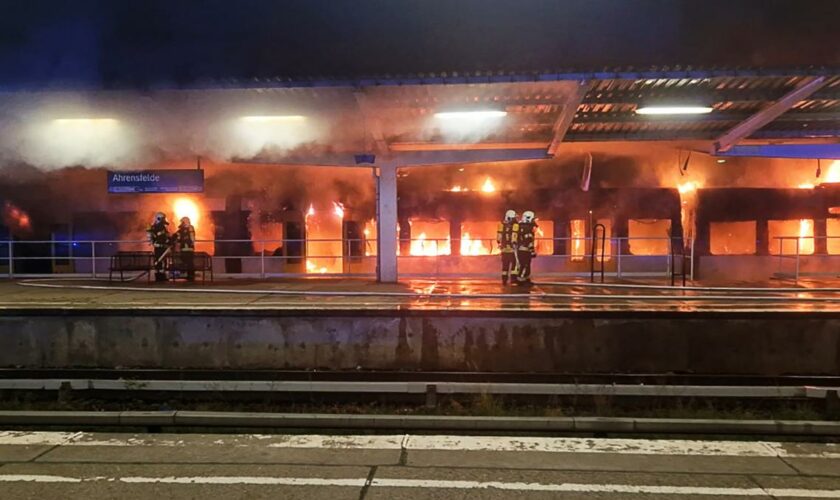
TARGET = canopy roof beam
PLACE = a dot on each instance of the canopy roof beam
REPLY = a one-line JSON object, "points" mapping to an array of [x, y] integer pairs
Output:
{"points": [[767, 115], [567, 115]]}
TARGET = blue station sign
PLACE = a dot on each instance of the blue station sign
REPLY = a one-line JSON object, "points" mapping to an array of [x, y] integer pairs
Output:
{"points": [[156, 181]]}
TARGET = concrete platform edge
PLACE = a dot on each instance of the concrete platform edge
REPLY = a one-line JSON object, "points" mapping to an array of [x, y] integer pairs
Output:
{"points": [[418, 422]]}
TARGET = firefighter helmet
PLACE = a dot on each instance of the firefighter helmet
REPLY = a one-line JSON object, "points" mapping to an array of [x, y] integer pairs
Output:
{"points": [[185, 221], [160, 217], [528, 216], [510, 216]]}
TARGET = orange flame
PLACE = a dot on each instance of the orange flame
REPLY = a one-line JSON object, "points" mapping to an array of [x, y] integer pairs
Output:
{"points": [[16, 218], [806, 236], [578, 239], [187, 207], [471, 246], [488, 186], [833, 173], [338, 208], [687, 187]]}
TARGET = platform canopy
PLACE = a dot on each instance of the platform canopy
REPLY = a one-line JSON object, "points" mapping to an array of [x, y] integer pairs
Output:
{"points": [[537, 112]]}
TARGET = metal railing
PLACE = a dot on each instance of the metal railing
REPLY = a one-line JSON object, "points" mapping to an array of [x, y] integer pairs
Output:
{"points": [[594, 248], [797, 256], [346, 257]]}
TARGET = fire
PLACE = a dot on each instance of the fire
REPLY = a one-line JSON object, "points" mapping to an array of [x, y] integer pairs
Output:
{"points": [[488, 186], [687, 187], [313, 269], [578, 239], [833, 173], [370, 238], [186, 207], [429, 248], [471, 246], [338, 209], [785, 235], [432, 238], [806, 185], [688, 206], [806, 236], [15, 218], [324, 239]]}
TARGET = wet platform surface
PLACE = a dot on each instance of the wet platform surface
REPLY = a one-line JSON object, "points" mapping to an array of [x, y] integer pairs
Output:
{"points": [[821, 296]]}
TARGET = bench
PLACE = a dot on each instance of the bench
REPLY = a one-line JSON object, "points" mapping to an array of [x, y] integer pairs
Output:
{"points": [[130, 261], [202, 262]]}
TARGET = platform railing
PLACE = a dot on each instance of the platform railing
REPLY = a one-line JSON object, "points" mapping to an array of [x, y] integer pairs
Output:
{"points": [[352, 257], [797, 256]]}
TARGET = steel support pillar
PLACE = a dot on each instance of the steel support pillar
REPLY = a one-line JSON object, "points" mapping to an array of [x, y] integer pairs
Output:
{"points": [[386, 223]]}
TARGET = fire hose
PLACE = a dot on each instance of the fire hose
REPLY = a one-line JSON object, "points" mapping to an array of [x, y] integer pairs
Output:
{"points": [[154, 266]]}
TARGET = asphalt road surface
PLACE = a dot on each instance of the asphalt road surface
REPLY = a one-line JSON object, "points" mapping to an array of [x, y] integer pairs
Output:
{"points": [[46, 465]]}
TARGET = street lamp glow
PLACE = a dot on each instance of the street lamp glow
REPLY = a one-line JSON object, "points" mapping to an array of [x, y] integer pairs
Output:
{"points": [[673, 110], [273, 118], [457, 115]]}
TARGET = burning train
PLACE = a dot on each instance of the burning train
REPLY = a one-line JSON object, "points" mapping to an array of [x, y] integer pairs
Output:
{"points": [[731, 232]]}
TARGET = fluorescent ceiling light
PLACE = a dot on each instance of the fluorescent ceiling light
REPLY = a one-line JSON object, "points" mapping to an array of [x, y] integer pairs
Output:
{"points": [[488, 113], [85, 121], [273, 118], [673, 110]]}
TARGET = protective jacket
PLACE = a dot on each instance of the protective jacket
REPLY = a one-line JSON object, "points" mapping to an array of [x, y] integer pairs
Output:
{"points": [[158, 234], [186, 237], [505, 236], [525, 239]]}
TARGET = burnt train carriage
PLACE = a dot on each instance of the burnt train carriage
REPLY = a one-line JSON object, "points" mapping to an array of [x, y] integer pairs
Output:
{"points": [[741, 232], [648, 216]]}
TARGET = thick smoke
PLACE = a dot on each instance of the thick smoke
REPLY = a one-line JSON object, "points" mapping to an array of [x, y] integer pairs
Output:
{"points": [[134, 130]]}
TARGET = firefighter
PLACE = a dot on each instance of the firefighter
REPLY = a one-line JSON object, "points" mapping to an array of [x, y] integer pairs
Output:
{"points": [[505, 237], [525, 246], [160, 239], [185, 237]]}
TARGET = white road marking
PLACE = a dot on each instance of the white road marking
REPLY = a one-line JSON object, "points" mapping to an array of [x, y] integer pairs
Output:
{"points": [[262, 480], [607, 488], [589, 445], [37, 478], [437, 484], [668, 447]]}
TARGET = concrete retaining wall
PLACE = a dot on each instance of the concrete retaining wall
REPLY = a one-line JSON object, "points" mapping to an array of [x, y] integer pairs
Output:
{"points": [[713, 345]]}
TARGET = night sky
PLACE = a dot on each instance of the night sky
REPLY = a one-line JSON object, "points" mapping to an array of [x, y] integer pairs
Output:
{"points": [[149, 43]]}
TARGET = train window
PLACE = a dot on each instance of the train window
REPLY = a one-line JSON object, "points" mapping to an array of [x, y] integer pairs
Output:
{"points": [[832, 230], [479, 238], [607, 223], [577, 244], [784, 235], [545, 237], [649, 236], [369, 233], [732, 238], [429, 237]]}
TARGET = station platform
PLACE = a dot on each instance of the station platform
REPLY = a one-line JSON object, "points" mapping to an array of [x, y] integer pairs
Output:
{"points": [[462, 295], [403, 466], [766, 329]]}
